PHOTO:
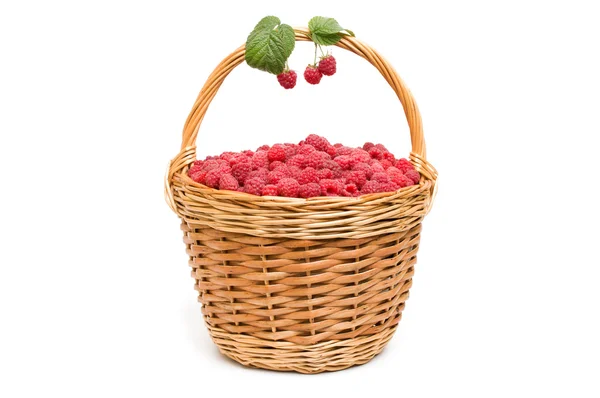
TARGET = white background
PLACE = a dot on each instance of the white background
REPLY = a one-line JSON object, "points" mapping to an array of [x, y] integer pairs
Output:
{"points": [[96, 299]]}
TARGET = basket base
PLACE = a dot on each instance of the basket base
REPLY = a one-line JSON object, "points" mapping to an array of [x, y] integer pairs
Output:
{"points": [[328, 356]]}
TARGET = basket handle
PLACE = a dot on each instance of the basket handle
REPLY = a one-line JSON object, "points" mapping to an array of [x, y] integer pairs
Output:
{"points": [[214, 81]]}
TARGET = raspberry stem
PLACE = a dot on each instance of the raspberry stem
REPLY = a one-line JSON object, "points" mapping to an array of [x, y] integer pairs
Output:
{"points": [[315, 61]]}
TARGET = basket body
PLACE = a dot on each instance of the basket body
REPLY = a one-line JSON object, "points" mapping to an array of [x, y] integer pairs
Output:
{"points": [[306, 285]]}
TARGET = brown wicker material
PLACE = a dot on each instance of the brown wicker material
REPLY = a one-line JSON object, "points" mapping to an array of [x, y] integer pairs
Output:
{"points": [[306, 285]]}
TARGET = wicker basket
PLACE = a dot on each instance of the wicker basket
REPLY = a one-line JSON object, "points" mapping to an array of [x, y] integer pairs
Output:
{"points": [[306, 285]]}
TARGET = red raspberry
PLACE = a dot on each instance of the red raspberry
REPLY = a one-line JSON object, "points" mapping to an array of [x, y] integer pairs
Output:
{"points": [[308, 175], [377, 167], [331, 150], [214, 176], [288, 187], [324, 174], [305, 149], [367, 146], [227, 155], [315, 159], [199, 176], [352, 189], [404, 165], [386, 163], [357, 177], [275, 165], [294, 172], [194, 169], [254, 186], [360, 156], [277, 152], [228, 182], [210, 164], [260, 159], [260, 173], [389, 187], [290, 150], [331, 187], [199, 163], [413, 175], [380, 177], [346, 162], [320, 143], [241, 171], [401, 180], [310, 190], [327, 65], [287, 79], [343, 150], [389, 156], [376, 153], [248, 153], [277, 175], [371, 187], [239, 158], [338, 145], [270, 190], [381, 148], [366, 168], [312, 75], [263, 148], [298, 161]]}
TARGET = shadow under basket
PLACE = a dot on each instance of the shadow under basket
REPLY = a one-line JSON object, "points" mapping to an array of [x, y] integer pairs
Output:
{"points": [[305, 285]]}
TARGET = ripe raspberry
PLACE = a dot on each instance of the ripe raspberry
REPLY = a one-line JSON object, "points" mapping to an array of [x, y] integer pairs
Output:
{"points": [[306, 149], [210, 164], [352, 189], [290, 150], [327, 65], [227, 155], [287, 79], [298, 161], [367, 146], [389, 187], [260, 174], [346, 162], [294, 172], [338, 145], [324, 174], [270, 190], [380, 177], [277, 152], [227, 181], [366, 168], [308, 175], [401, 180], [404, 165], [342, 150], [248, 153], [199, 163], [315, 159], [214, 176], [377, 167], [260, 159], [310, 190], [263, 148], [356, 177], [312, 75], [360, 155], [199, 176], [241, 171], [392, 171], [386, 163], [288, 187], [331, 150], [320, 143], [376, 153], [194, 169], [389, 156], [239, 158], [381, 148], [331, 187], [277, 175], [254, 186], [371, 187], [413, 175], [275, 165]]}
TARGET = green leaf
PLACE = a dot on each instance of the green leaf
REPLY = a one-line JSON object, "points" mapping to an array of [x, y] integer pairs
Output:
{"points": [[324, 26], [269, 45], [327, 31]]}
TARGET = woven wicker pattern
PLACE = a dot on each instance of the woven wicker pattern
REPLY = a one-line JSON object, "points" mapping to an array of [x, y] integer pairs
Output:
{"points": [[307, 285]]}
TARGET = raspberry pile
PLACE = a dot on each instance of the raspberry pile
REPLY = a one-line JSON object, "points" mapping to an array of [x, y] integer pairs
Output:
{"points": [[308, 169]]}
